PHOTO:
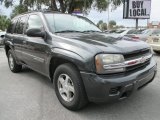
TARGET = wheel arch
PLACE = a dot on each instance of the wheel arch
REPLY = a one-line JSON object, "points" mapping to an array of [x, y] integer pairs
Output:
{"points": [[61, 57], [7, 48]]}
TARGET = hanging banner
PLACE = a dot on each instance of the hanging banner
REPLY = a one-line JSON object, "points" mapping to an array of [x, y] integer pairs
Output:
{"points": [[137, 9]]}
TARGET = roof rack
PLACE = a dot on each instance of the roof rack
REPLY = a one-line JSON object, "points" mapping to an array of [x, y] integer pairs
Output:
{"points": [[43, 11]]}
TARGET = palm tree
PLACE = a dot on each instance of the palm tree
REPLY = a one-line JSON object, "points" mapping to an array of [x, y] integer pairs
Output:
{"points": [[4, 22]]}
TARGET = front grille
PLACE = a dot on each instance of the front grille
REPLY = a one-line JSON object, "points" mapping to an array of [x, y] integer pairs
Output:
{"points": [[137, 54], [138, 66]]}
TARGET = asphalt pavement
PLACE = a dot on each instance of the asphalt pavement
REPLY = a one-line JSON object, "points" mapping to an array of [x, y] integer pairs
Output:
{"points": [[30, 96]]}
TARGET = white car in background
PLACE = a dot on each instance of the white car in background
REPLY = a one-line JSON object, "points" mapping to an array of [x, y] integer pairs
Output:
{"points": [[2, 34], [154, 41], [144, 35]]}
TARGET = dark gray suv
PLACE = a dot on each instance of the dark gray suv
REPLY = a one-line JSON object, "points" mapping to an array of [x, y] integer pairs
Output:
{"points": [[83, 63]]}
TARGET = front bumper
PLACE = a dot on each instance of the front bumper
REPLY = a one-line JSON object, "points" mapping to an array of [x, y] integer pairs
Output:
{"points": [[105, 88]]}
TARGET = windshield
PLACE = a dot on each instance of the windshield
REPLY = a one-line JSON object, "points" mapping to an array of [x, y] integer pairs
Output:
{"points": [[70, 23]]}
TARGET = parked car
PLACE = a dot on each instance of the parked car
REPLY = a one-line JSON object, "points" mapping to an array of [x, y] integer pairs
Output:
{"points": [[2, 34], [110, 31], [143, 35], [123, 32], [141, 30], [83, 63], [154, 41]]}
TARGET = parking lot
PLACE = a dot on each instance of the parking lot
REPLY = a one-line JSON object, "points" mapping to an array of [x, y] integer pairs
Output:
{"points": [[30, 96]]}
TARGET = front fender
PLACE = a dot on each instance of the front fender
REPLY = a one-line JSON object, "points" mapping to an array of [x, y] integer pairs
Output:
{"points": [[73, 57]]}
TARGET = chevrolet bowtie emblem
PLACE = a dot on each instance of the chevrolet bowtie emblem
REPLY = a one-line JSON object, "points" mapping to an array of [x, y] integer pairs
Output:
{"points": [[142, 60]]}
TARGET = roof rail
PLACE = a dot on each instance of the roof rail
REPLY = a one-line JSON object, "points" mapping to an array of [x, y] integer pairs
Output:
{"points": [[43, 11]]}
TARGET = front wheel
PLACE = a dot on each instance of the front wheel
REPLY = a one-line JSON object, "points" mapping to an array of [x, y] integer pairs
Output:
{"points": [[14, 67], [69, 87]]}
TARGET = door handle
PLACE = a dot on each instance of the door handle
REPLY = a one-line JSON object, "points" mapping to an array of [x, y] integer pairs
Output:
{"points": [[24, 42]]}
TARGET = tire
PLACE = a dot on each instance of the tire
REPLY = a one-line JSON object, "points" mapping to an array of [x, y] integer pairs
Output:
{"points": [[14, 67], [157, 52], [78, 98]]}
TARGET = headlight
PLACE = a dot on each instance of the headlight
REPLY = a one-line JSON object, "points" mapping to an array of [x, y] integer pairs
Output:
{"points": [[109, 63]]}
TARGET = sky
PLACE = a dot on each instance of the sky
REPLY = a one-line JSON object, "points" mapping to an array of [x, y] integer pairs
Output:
{"points": [[116, 15]]}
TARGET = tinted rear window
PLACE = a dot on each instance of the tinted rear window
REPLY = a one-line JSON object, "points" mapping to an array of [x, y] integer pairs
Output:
{"points": [[11, 26]]}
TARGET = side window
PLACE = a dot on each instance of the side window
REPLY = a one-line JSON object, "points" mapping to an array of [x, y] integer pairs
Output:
{"points": [[11, 26], [20, 25], [34, 21]]}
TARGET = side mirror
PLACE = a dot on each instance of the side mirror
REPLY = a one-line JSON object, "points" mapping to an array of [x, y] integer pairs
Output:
{"points": [[35, 32]]}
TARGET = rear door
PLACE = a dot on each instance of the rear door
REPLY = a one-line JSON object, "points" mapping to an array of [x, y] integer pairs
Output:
{"points": [[18, 36], [9, 35]]}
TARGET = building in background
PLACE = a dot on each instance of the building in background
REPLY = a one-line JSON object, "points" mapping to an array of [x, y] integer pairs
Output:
{"points": [[154, 24]]}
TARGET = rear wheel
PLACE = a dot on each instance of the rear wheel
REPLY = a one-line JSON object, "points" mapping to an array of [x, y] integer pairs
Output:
{"points": [[69, 87], [14, 67]]}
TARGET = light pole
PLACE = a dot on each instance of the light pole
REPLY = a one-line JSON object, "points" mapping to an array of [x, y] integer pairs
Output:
{"points": [[137, 23], [148, 21], [108, 13]]}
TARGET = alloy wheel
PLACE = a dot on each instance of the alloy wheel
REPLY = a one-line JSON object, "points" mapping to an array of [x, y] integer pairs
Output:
{"points": [[66, 87], [11, 62]]}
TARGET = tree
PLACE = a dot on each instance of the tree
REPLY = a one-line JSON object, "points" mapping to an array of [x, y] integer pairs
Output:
{"points": [[99, 23], [102, 25], [18, 10], [112, 23], [4, 22], [66, 5]]}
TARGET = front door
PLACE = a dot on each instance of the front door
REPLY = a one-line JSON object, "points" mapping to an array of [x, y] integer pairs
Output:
{"points": [[34, 50]]}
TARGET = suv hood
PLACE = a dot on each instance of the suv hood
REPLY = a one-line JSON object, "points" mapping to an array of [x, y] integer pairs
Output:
{"points": [[106, 43]]}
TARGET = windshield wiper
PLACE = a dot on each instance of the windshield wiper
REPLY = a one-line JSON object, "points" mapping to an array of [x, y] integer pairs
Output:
{"points": [[65, 31], [92, 31]]}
